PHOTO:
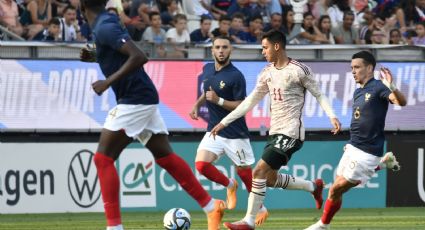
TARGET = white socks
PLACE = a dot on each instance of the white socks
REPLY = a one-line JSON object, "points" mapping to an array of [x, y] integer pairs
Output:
{"points": [[118, 227], [209, 207], [286, 181], [255, 200]]}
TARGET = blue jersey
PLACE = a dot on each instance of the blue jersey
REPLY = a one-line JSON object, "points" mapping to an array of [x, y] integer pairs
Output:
{"points": [[110, 35], [370, 106], [229, 83]]}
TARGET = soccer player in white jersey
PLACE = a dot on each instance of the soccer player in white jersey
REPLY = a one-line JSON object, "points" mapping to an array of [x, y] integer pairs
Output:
{"points": [[362, 154], [286, 81]]}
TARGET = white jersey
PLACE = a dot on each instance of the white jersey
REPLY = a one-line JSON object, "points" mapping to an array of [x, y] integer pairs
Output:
{"points": [[287, 90]]}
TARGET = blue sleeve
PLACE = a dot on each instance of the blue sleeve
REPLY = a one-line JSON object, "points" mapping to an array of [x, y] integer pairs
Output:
{"points": [[113, 35], [239, 88], [384, 92]]}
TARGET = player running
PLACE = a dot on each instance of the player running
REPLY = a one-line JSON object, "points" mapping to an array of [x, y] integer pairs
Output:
{"points": [[135, 117], [286, 81], [362, 155]]}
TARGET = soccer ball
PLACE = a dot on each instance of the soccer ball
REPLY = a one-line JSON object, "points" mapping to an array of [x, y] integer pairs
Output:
{"points": [[177, 219]]}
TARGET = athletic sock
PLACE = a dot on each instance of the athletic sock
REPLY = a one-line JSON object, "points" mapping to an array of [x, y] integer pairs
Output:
{"points": [[331, 207], [212, 173], [255, 200], [182, 173], [110, 187], [246, 176], [286, 181]]}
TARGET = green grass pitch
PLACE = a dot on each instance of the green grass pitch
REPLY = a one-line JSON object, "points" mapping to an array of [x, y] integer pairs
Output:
{"points": [[385, 218]]}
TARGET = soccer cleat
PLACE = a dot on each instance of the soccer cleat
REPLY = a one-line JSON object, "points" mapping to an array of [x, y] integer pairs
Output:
{"points": [[231, 195], [317, 193], [238, 225], [261, 216], [390, 161], [318, 226], [215, 216]]}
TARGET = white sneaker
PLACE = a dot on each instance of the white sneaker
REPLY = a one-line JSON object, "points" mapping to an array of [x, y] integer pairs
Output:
{"points": [[318, 226], [118, 227], [390, 161]]}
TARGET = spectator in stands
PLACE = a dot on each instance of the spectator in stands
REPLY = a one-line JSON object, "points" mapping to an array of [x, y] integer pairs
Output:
{"points": [[262, 7], [178, 37], [202, 34], [310, 34], [396, 38], [39, 13], [169, 13], [51, 34], [223, 27], [255, 30], [336, 11], [420, 34], [409, 13], [240, 6], [325, 28], [345, 33], [378, 37], [58, 6], [237, 29], [198, 8], [70, 30], [219, 8], [155, 35], [275, 23], [291, 31], [317, 7], [9, 17]]}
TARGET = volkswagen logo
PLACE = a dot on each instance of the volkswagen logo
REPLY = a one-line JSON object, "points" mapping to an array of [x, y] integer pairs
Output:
{"points": [[82, 179]]}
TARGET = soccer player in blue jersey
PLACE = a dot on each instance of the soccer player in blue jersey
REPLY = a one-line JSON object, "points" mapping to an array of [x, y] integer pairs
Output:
{"points": [[363, 152], [224, 89], [135, 117]]}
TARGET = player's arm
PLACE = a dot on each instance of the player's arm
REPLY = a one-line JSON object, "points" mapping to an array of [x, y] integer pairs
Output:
{"points": [[136, 59], [313, 87], [396, 96], [261, 89], [194, 113], [212, 97]]}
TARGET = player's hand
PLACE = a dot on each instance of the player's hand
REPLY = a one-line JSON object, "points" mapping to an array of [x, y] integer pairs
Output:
{"points": [[194, 113], [211, 96], [216, 129], [88, 54], [336, 126], [100, 86], [387, 78]]}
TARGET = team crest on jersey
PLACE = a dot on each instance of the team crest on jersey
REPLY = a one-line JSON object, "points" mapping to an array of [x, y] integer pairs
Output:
{"points": [[222, 84], [367, 97]]}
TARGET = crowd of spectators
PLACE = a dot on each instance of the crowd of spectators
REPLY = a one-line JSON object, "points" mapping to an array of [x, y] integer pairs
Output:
{"points": [[161, 22]]}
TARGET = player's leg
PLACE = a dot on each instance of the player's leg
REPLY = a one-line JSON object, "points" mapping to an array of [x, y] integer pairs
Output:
{"points": [[110, 146], [159, 145], [333, 203], [208, 151]]}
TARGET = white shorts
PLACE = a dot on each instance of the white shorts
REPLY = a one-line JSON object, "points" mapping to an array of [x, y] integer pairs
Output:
{"points": [[238, 150], [137, 121], [356, 165]]}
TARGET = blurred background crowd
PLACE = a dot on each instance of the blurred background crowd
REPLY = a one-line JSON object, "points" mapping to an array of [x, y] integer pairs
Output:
{"points": [[183, 22]]}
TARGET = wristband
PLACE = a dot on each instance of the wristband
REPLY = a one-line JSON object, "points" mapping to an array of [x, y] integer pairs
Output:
{"points": [[220, 101]]}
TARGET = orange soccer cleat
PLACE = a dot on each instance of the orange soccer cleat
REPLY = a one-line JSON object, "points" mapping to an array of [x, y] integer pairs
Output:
{"points": [[231, 195], [238, 225], [261, 216], [215, 216]]}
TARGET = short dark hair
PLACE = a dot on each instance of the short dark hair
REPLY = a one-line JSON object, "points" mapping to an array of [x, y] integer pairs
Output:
{"points": [[224, 18], [178, 17], [367, 58], [275, 36], [348, 13], [68, 7], [153, 13], [55, 21], [92, 4], [222, 37], [205, 17]]}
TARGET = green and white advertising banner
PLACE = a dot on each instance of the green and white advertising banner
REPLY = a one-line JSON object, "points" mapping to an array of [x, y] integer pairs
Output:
{"points": [[61, 177]]}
